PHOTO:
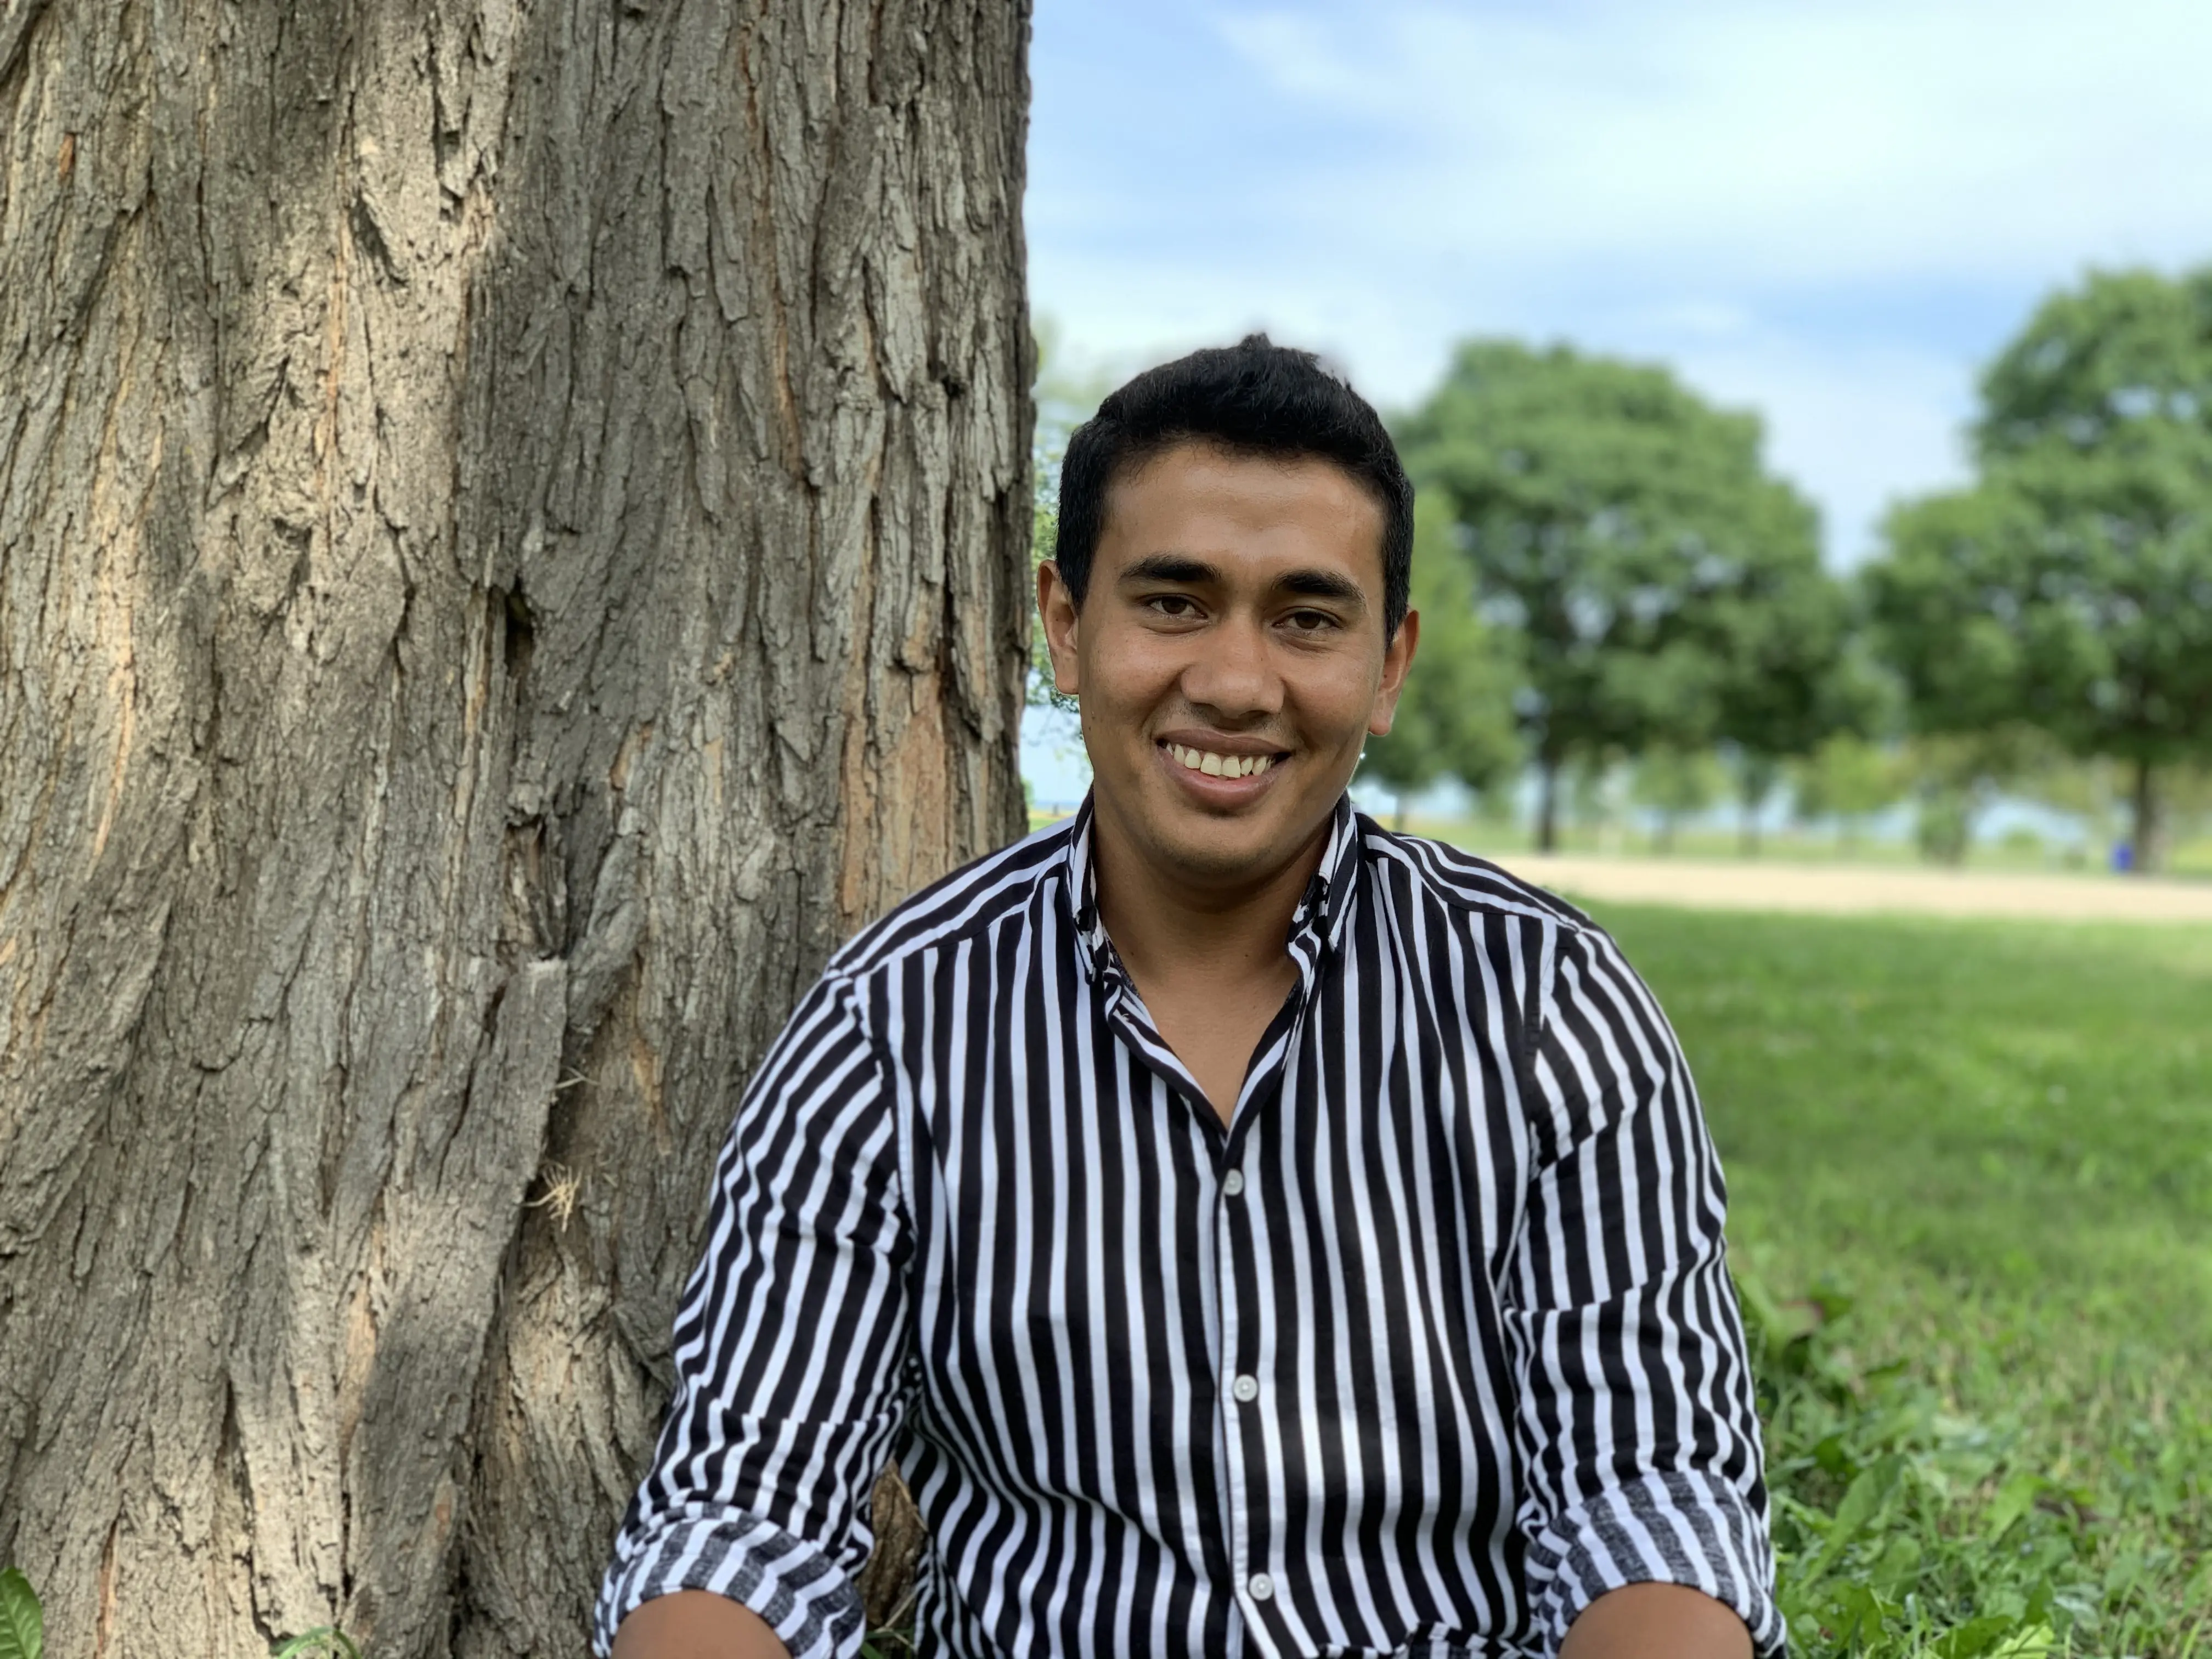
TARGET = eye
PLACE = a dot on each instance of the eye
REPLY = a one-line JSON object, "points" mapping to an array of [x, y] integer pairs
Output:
{"points": [[1181, 606], [1311, 622]]}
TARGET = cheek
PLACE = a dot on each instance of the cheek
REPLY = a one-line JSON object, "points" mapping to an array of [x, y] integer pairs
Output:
{"points": [[1335, 697], [1129, 670]]}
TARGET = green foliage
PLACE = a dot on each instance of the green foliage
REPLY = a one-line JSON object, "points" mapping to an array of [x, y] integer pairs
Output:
{"points": [[1946, 632], [1994, 1134], [1668, 589], [2083, 789], [23, 1622], [1044, 528], [324, 1642], [2071, 587], [1848, 778], [1956, 777], [1455, 717], [1903, 1527], [1793, 672], [1066, 396], [1943, 827], [1604, 507], [1677, 784]]}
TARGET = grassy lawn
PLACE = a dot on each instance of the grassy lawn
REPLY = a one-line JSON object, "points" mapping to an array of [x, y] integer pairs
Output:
{"points": [[2188, 858], [1971, 1173]]}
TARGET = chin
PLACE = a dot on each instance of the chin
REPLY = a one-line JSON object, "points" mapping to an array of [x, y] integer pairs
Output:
{"points": [[1225, 853], [1228, 845]]}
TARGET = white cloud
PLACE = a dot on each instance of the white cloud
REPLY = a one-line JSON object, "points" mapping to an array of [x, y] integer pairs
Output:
{"points": [[1786, 145], [1828, 210]]}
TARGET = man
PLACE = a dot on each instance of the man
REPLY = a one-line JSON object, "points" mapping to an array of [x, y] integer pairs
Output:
{"points": [[1254, 1232]]}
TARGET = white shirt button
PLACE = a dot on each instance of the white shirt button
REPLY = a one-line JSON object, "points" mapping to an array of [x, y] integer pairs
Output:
{"points": [[1262, 1586], [1246, 1387], [1233, 1183]]}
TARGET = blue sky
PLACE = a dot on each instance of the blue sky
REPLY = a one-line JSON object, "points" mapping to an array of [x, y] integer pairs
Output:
{"points": [[1832, 212]]}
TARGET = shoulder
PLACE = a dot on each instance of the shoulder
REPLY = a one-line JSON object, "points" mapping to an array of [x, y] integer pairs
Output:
{"points": [[973, 899], [1449, 876]]}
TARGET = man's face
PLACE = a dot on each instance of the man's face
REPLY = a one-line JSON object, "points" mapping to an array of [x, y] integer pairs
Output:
{"points": [[1229, 655]]}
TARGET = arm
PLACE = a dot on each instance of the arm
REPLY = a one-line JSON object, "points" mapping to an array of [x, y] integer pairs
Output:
{"points": [[746, 1532], [1638, 1436], [1656, 1621], [695, 1624]]}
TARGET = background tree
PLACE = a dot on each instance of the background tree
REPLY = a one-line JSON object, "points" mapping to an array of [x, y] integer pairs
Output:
{"points": [[1791, 674], [1847, 779], [1596, 798], [1625, 527], [1455, 716], [1676, 784], [2070, 588], [2092, 792], [2186, 800], [1066, 394], [513, 524], [1957, 777]]}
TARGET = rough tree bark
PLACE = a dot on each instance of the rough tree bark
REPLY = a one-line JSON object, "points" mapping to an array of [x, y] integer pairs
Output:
{"points": [[512, 541]]}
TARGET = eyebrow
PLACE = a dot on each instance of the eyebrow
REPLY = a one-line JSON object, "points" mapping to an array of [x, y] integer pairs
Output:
{"points": [[1170, 567], [1181, 569], [1322, 585]]}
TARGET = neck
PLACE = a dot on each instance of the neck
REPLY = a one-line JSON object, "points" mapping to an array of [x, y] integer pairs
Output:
{"points": [[1167, 923]]}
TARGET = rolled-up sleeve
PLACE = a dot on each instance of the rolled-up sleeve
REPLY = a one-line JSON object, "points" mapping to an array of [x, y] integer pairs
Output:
{"points": [[1638, 1426], [788, 1351]]}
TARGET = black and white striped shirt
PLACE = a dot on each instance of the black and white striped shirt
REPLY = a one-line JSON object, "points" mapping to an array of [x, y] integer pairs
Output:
{"points": [[1427, 1349]]}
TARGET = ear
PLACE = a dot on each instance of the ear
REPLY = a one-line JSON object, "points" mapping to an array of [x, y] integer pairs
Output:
{"points": [[1056, 609], [1397, 659]]}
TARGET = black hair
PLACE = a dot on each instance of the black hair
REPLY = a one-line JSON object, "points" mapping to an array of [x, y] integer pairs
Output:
{"points": [[1254, 397]]}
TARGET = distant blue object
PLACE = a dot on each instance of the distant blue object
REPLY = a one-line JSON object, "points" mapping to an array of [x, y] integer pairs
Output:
{"points": [[2123, 857]]}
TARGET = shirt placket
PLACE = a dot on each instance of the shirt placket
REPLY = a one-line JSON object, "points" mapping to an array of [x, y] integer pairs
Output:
{"points": [[1244, 1399], [1236, 1387], [1249, 1412], [1253, 1416]]}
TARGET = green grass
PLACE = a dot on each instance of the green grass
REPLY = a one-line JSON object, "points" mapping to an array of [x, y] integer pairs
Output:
{"points": [[1971, 1177], [2188, 858]]}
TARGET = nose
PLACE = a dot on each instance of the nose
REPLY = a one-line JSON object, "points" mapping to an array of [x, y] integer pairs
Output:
{"points": [[1233, 680]]}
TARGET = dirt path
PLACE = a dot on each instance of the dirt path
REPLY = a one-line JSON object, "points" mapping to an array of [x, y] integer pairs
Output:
{"points": [[1846, 890]]}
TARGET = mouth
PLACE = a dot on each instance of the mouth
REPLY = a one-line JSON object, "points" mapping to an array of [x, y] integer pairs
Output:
{"points": [[1221, 776]]}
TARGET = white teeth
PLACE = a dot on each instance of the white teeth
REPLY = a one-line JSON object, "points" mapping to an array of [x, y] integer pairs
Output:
{"points": [[1220, 766]]}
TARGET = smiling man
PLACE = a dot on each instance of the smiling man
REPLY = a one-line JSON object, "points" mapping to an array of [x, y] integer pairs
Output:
{"points": [[1254, 1232]]}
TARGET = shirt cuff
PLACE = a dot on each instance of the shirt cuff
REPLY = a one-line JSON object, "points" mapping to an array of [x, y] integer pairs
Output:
{"points": [[1672, 1526], [793, 1585]]}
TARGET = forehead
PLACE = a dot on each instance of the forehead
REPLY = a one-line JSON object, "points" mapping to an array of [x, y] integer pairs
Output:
{"points": [[1242, 510]]}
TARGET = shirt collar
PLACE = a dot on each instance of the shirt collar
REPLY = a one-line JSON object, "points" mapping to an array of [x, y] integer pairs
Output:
{"points": [[1316, 925]]}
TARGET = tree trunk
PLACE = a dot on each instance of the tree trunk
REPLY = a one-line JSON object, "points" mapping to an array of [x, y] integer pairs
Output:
{"points": [[2147, 830], [1759, 779], [512, 541], [1547, 804]]}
